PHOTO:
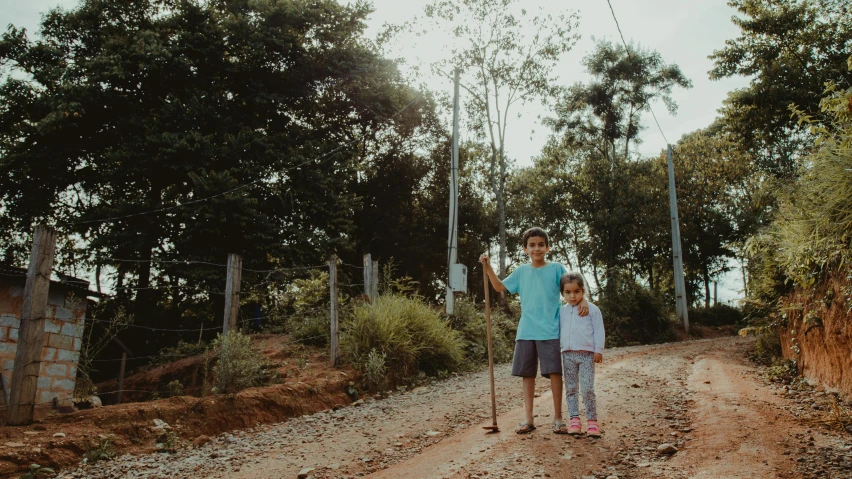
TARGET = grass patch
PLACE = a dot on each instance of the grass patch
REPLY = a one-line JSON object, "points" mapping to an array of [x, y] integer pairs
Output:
{"points": [[782, 371], [470, 323], [410, 334], [375, 370], [102, 450], [239, 364], [767, 348]]}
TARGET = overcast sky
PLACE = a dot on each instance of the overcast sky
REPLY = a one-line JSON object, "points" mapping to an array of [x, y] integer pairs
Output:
{"points": [[684, 32]]}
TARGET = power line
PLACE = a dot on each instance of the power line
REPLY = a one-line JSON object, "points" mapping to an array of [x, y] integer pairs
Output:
{"points": [[183, 330], [650, 107], [207, 263]]}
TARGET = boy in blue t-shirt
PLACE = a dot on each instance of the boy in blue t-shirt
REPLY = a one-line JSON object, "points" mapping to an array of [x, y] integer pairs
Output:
{"points": [[537, 340]]}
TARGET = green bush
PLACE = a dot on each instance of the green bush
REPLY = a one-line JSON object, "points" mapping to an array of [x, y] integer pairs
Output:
{"points": [[716, 315], [808, 238], [375, 370], [767, 348], [239, 364], [102, 450], [411, 334], [783, 371], [175, 388], [470, 323], [633, 315]]}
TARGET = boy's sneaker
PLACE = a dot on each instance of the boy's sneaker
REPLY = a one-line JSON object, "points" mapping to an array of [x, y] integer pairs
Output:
{"points": [[592, 428], [574, 426]]}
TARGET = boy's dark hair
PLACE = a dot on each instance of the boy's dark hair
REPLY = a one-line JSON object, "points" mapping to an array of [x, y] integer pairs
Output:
{"points": [[571, 277], [536, 231]]}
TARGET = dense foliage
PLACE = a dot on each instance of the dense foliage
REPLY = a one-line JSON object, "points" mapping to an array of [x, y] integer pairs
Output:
{"points": [[809, 239], [151, 133]]}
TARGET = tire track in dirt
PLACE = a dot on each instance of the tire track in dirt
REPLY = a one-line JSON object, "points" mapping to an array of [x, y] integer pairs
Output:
{"points": [[695, 395], [738, 431]]}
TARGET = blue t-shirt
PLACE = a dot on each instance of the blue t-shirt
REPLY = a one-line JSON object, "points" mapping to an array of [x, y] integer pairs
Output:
{"points": [[540, 299]]}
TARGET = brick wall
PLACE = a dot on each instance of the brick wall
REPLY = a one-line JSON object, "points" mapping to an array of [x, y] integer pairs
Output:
{"points": [[62, 341]]}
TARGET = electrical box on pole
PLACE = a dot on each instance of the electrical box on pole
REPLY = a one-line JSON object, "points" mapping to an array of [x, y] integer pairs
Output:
{"points": [[456, 273], [458, 278]]}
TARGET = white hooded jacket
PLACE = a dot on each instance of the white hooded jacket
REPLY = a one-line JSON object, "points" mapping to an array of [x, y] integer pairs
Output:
{"points": [[581, 333]]}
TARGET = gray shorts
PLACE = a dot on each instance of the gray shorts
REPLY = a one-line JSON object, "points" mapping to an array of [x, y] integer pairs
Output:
{"points": [[528, 352]]}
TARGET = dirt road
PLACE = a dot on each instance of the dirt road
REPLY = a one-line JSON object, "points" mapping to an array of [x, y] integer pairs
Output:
{"points": [[702, 397]]}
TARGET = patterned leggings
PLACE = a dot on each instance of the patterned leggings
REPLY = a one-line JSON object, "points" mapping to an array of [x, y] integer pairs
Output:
{"points": [[578, 368]]}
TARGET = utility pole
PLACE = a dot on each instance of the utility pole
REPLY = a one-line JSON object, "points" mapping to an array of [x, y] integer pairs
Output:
{"points": [[22, 397], [715, 293], [677, 252], [453, 253], [332, 284]]}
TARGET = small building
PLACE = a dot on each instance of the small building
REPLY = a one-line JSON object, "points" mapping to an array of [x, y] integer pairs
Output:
{"points": [[66, 314]]}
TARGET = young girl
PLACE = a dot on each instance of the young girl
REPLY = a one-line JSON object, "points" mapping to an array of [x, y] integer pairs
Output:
{"points": [[581, 340]]}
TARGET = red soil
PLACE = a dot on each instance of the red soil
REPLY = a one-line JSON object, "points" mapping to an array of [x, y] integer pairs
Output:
{"points": [[308, 385]]}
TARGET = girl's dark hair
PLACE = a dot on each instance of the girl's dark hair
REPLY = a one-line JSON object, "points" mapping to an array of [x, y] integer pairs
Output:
{"points": [[571, 277], [536, 231]]}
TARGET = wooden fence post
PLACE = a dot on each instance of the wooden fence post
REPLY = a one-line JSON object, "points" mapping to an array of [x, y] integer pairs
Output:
{"points": [[332, 283], [121, 377], [24, 385], [232, 293], [368, 276], [374, 281], [125, 351]]}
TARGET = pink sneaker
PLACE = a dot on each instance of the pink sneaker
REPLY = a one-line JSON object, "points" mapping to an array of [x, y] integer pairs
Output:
{"points": [[592, 429], [574, 426]]}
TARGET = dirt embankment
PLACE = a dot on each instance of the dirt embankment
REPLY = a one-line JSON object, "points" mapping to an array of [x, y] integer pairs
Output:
{"points": [[307, 385], [819, 335]]}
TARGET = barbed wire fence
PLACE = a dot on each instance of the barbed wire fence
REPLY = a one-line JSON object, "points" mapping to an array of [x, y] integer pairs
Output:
{"points": [[302, 301]]}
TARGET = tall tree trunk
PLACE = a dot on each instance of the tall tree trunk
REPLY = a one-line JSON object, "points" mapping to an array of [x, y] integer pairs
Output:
{"points": [[119, 281], [501, 212], [98, 278], [706, 285], [595, 275], [144, 295], [577, 251], [651, 278], [501, 273]]}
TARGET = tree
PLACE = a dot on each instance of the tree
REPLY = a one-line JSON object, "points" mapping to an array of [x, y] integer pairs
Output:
{"points": [[404, 213], [607, 111], [152, 131], [506, 57], [596, 124], [790, 49]]}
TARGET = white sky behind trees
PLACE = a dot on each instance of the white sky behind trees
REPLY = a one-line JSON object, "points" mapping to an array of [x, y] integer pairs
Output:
{"points": [[684, 32]]}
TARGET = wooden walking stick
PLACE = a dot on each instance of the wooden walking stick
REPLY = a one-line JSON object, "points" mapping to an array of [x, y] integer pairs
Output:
{"points": [[493, 427]]}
